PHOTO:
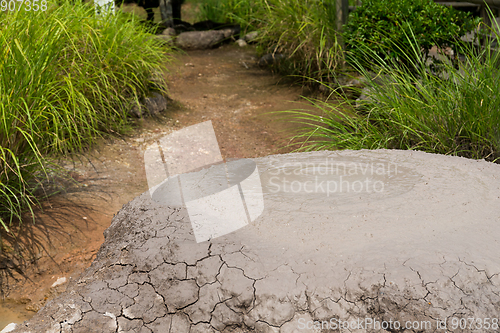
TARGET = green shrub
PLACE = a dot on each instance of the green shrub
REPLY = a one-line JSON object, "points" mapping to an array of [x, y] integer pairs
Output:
{"points": [[66, 77], [382, 26]]}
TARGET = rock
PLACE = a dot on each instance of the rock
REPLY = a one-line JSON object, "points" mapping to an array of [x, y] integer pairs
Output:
{"points": [[350, 81], [203, 39], [167, 36], [58, 282], [241, 42], [369, 237], [366, 93], [165, 39], [136, 111], [251, 36], [231, 31], [149, 106], [169, 32], [155, 103], [365, 97], [9, 328], [270, 59], [350, 86], [199, 39]]}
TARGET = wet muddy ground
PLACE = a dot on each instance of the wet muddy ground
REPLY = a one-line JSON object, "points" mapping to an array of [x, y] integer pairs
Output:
{"points": [[223, 85]]}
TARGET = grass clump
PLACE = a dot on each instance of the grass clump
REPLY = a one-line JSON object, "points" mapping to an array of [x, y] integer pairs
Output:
{"points": [[453, 112], [304, 31], [246, 13], [66, 77]]}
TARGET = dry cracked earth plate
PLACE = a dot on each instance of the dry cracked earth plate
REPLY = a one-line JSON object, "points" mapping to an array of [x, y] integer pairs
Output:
{"points": [[420, 247]]}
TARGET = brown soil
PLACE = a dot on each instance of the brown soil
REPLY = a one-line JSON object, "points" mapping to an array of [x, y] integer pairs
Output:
{"points": [[223, 85]]}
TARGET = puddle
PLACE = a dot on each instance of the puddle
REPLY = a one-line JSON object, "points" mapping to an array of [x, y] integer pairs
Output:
{"points": [[12, 312]]}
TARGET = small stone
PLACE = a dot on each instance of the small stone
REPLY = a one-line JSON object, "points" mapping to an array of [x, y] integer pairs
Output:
{"points": [[9, 328], [155, 103], [136, 111], [250, 37], [169, 32], [270, 59]]}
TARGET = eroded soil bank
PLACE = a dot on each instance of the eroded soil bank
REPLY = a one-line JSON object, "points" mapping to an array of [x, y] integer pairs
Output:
{"points": [[223, 85]]}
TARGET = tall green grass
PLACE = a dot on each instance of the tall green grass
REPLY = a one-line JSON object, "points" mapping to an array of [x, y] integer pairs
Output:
{"points": [[455, 111], [66, 78], [246, 13], [303, 30]]}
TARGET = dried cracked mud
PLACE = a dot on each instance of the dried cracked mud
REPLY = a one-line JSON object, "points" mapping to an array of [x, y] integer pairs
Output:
{"points": [[420, 247], [223, 85]]}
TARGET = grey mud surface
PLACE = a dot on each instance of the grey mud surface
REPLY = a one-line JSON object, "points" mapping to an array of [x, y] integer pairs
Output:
{"points": [[426, 248]]}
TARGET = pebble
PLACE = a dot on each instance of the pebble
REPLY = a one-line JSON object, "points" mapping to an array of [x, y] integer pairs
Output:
{"points": [[59, 281]]}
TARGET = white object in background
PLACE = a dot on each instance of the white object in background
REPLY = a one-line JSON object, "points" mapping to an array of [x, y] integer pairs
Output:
{"points": [[104, 6]]}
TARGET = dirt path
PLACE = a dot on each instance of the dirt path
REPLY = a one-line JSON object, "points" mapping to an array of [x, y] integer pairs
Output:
{"points": [[222, 85], [225, 86]]}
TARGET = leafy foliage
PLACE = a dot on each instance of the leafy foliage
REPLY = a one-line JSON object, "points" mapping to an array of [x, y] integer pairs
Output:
{"points": [[383, 27]]}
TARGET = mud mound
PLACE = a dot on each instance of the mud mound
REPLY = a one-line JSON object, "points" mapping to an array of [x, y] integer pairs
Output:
{"points": [[361, 240]]}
